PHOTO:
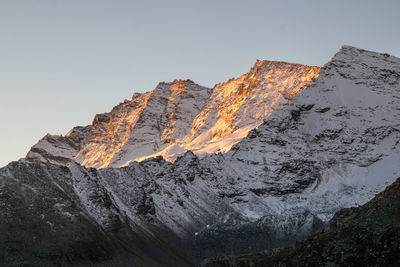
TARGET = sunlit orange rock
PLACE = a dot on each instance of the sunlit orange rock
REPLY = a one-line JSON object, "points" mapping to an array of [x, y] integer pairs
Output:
{"points": [[179, 116]]}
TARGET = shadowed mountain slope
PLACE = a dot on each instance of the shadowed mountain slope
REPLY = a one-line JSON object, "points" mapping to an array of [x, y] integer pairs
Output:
{"points": [[365, 236]]}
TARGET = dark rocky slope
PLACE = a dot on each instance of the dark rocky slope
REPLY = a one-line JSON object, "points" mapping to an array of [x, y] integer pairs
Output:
{"points": [[364, 236], [45, 222]]}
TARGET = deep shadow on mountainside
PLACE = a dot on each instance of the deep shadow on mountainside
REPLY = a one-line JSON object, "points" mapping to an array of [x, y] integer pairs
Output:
{"points": [[364, 236], [45, 223]]}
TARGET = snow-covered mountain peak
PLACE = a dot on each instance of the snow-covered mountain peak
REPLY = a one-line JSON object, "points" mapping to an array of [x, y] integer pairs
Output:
{"points": [[332, 142], [179, 116], [335, 145], [177, 87], [241, 104], [142, 126]]}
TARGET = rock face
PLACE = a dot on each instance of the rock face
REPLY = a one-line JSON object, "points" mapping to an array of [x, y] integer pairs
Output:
{"points": [[133, 129], [363, 236], [178, 116], [240, 105], [327, 150], [334, 147], [52, 215]]}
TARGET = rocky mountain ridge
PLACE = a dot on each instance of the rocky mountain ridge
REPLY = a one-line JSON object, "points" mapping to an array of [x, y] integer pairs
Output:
{"points": [[178, 116], [132, 129], [283, 181]]}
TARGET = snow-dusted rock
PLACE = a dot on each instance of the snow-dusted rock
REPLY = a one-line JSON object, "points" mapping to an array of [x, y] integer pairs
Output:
{"points": [[178, 116], [325, 151], [240, 105], [132, 130], [335, 146], [53, 215]]}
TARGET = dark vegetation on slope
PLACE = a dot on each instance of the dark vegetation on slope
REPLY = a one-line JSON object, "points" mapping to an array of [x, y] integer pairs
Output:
{"points": [[365, 236]]}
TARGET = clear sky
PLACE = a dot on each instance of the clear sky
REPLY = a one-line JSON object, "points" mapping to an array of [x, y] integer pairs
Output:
{"points": [[61, 62]]}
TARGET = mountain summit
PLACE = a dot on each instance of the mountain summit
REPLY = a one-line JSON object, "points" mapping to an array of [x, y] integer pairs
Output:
{"points": [[179, 116], [133, 129]]}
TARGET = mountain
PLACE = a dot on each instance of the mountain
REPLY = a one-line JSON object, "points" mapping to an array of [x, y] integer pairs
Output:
{"points": [[364, 236], [331, 144], [239, 105], [334, 145], [133, 129], [178, 116]]}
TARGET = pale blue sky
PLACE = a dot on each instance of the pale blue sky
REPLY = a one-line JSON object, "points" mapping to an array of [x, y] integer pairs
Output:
{"points": [[63, 61]]}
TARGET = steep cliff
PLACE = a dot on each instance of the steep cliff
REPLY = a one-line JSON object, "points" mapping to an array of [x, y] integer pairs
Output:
{"points": [[142, 126], [177, 117]]}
